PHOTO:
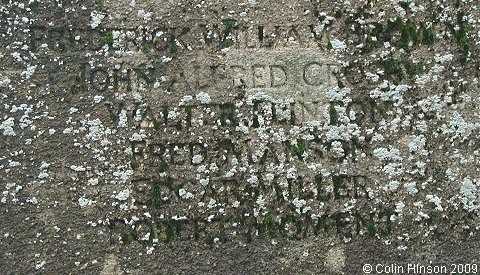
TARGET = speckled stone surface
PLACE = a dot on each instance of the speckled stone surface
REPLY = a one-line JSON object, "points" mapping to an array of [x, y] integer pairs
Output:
{"points": [[251, 137]]}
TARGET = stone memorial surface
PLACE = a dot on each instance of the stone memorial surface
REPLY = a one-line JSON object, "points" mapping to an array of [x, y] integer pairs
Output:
{"points": [[260, 136]]}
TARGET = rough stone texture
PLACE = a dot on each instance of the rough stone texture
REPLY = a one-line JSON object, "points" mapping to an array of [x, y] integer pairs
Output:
{"points": [[284, 137]]}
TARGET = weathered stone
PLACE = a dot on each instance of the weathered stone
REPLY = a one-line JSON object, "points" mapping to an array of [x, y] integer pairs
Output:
{"points": [[323, 137]]}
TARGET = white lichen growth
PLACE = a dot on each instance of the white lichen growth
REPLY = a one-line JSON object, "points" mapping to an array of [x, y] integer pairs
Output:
{"points": [[96, 19], [123, 195], [7, 127]]}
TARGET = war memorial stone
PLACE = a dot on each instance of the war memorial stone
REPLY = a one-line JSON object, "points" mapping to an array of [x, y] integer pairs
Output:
{"points": [[239, 137]]}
